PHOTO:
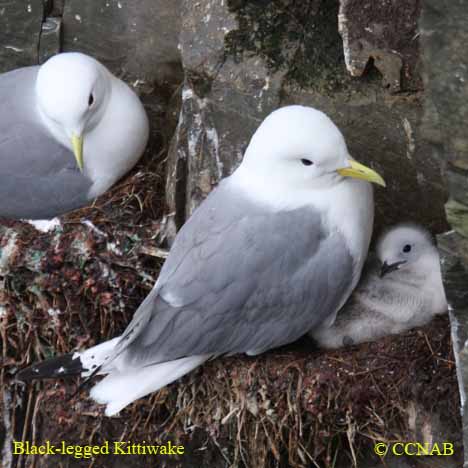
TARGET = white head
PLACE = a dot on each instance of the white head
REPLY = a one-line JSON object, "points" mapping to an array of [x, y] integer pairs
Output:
{"points": [[301, 147], [407, 247], [72, 92]]}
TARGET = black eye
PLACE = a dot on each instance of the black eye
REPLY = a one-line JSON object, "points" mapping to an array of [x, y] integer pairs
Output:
{"points": [[306, 162], [90, 100], [407, 248]]}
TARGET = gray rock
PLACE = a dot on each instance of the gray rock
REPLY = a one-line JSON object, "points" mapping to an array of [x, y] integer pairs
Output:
{"points": [[49, 43], [223, 102], [19, 33], [135, 38], [378, 31], [444, 35], [56, 8], [453, 248]]}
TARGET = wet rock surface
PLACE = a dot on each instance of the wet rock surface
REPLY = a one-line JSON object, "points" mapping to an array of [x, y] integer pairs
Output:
{"points": [[382, 32], [134, 38], [121, 34], [49, 42], [19, 44], [444, 32]]}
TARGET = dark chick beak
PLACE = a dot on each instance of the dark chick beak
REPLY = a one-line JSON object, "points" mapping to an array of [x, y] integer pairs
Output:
{"points": [[387, 268]]}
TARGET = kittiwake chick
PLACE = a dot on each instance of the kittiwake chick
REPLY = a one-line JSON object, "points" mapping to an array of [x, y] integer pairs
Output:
{"points": [[399, 290]]}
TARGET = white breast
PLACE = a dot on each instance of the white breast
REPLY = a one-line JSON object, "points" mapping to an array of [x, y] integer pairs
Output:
{"points": [[114, 146], [350, 208]]}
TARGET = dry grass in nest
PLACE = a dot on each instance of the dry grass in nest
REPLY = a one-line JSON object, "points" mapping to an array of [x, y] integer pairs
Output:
{"points": [[294, 407]]}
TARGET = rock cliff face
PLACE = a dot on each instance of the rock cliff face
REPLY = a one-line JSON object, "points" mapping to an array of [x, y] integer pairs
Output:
{"points": [[20, 33], [444, 35], [134, 38], [243, 59], [137, 38], [238, 60]]}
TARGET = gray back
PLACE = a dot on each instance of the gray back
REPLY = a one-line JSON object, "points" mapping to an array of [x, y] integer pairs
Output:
{"points": [[240, 278]]}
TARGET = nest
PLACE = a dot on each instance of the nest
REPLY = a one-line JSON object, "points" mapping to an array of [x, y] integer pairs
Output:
{"points": [[294, 407]]}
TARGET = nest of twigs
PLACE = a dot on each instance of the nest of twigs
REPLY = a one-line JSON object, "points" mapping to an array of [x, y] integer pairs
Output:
{"points": [[295, 407]]}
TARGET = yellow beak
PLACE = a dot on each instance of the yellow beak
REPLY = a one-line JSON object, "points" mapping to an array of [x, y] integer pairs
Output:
{"points": [[359, 171], [77, 143]]}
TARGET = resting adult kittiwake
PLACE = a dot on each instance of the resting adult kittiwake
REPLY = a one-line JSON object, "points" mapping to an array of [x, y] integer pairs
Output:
{"points": [[399, 290], [69, 129], [274, 250]]}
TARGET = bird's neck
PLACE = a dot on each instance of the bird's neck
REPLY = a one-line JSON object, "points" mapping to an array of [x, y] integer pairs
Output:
{"points": [[55, 130]]}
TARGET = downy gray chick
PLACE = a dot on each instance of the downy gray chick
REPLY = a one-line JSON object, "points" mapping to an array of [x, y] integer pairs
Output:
{"points": [[400, 289]]}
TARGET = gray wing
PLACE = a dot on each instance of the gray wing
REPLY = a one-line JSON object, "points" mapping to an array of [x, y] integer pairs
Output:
{"points": [[38, 176], [240, 279]]}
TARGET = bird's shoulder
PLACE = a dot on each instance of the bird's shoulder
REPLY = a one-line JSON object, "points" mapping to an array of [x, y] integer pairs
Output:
{"points": [[230, 227]]}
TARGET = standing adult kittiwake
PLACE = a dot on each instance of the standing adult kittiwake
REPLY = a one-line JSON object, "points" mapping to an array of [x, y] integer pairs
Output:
{"points": [[274, 251]]}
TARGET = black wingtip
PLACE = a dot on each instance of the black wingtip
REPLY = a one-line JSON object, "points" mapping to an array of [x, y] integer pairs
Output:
{"points": [[57, 367]]}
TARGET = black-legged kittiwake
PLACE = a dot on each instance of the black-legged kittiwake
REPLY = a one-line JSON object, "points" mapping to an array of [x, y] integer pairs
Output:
{"points": [[69, 129], [274, 251], [399, 290]]}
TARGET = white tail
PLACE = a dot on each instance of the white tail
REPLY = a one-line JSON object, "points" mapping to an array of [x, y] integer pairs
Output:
{"points": [[96, 356], [119, 389]]}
